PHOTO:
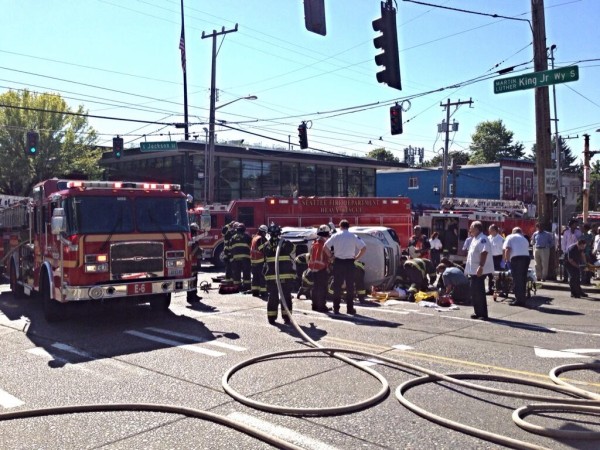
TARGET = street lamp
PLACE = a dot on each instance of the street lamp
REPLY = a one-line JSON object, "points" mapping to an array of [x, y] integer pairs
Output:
{"points": [[211, 142]]}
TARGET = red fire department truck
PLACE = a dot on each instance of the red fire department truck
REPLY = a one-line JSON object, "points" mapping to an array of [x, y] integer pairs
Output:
{"points": [[304, 212], [98, 240], [453, 220]]}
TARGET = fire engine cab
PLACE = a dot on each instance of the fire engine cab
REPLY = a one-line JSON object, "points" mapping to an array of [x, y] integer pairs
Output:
{"points": [[392, 212], [453, 220], [98, 240]]}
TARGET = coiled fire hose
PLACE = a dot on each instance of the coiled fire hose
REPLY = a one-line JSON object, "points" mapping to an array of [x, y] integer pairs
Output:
{"points": [[586, 403]]}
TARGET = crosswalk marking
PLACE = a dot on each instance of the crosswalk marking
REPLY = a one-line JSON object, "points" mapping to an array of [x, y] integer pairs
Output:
{"points": [[111, 362], [9, 401], [280, 432], [172, 343], [39, 351], [190, 337]]}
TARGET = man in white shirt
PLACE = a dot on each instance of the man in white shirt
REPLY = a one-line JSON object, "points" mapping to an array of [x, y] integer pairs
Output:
{"points": [[516, 250], [479, 265], [345, 247], [496, 241]]}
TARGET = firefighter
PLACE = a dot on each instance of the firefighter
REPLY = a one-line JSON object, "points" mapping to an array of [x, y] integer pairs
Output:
{"points": [[359, 281], [257, 260], [301, 263], [227, 232], [306, 286], [239, 246], [287, 275], [318, 265], [420, 272], [192, 296]]}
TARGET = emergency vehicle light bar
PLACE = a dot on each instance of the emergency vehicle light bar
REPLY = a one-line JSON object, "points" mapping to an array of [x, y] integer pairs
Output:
{"points": [[122, 185]]}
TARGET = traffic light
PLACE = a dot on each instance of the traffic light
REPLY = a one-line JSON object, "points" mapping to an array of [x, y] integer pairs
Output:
{"points": [[388, 42], [32, 143], [302, 135], [117, 147], [314, 16], [396, 119]]}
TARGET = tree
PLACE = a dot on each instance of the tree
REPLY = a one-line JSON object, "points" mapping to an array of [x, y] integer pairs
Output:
{"points": [[492, 142], [66, 142], [461, 158], [381, 154], [567, 160]]}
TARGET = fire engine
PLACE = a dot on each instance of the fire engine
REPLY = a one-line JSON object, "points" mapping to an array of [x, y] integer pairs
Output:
{"points": [[453, 220], [97, 240], [392, 212]]}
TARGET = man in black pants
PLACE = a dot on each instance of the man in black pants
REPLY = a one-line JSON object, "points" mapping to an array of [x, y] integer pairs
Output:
{"points": [[516, 250], [573, 259], [346, 248]]}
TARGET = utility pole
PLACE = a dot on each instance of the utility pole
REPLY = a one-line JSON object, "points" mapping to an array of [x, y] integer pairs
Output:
{"points": [[447, 105], [587, 154], [542, 114], [210, 197]]}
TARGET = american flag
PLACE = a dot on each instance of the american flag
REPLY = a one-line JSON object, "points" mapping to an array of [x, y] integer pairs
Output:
{"points": [[182, 48]]}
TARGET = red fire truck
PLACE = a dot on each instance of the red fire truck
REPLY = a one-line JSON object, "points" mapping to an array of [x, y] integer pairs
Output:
{"points": [[98, 240], [304, 212], [452, 221]]}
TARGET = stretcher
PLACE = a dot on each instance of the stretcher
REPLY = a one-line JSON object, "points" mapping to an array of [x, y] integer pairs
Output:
{"points": [[504, 285]]}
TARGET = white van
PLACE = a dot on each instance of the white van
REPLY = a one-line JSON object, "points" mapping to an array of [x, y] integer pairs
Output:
{"points": [[381, 258]]}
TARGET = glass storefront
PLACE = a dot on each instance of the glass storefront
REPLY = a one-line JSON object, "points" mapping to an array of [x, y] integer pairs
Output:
{"points": [[238, 177]]}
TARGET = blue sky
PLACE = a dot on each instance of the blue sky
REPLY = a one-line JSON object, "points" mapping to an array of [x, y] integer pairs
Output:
{"points": [[120, 58]]}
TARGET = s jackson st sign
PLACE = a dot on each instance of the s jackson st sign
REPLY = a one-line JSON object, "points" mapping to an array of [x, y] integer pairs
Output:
{"points": [[536, 79]]}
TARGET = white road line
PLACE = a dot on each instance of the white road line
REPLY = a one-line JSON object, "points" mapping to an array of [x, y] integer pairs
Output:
{"points": [[104, 360], [40, 351], [369, 362], [280, 432], [172, 343], [402, 347], [191, 337], [9, 401]]}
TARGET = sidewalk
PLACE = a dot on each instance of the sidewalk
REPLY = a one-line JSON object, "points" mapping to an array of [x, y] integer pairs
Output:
{"points": [[594, 288]]}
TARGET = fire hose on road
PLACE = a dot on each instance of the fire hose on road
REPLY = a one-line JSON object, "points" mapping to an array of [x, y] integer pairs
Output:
{"points": [[580, 401]]}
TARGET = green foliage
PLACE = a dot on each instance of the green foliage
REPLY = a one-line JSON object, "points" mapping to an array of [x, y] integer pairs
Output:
{"points": [[492, 142], [66, 144], [567, 161], [461, 158], [381, 154]]}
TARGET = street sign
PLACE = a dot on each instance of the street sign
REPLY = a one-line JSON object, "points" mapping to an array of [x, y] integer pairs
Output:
{"points": [[551, 181], [157, 146], [536, 79]]}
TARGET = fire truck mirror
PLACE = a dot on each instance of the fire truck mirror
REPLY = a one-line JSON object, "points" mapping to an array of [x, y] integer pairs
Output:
{"points": [[205, 223], [58, 221]]}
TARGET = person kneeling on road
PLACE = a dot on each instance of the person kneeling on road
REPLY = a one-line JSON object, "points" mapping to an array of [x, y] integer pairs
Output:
{"points": [[455, 283]]}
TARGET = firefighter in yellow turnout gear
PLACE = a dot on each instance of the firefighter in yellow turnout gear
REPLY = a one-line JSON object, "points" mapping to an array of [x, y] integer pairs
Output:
{"points": [[257, 260], [287, 275], [239, 246], [420, 272], [359, 281]]}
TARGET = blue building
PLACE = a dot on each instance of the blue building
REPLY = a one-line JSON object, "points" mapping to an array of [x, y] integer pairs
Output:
{"points": [[507, 180]]}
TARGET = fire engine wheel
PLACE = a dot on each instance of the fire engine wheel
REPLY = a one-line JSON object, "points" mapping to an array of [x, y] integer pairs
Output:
{"points": [[53, 310], [17, 289], [160, 302], [217, 259]]}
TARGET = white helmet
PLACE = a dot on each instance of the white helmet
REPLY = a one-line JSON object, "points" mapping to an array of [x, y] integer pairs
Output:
{"points": [[324, 230], [263, 228]]}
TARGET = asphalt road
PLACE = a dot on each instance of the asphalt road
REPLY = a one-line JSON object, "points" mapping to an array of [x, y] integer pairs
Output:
{"points": [[117, 354]]}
